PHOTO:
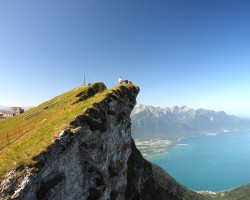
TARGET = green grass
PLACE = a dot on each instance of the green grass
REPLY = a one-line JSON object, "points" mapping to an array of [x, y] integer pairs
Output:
{"points": [[32, 136]]}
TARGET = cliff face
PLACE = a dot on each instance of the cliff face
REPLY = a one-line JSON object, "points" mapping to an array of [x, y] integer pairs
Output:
{"points": [[95, 159]]}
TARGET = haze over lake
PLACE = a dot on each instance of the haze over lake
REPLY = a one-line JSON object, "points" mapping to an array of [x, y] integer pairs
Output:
{"points": [[215, 162]]}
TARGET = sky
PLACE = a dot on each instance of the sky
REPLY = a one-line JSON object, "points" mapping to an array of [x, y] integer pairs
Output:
{"points": [[179, 52]]}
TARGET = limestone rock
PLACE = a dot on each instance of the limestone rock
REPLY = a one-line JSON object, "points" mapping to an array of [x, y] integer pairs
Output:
{"points": [[98, 160]]}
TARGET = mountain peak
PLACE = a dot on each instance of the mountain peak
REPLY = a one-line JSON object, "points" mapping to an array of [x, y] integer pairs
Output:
{"points": [[94, 157], [177, 109], [177, 122]]}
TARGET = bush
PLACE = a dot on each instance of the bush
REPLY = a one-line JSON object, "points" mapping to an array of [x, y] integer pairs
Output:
{"points": [[96, 88], [91, 92], [99, 87]]}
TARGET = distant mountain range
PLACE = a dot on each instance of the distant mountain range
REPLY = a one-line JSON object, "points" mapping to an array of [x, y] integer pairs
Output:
{"points": [[173, 123]]}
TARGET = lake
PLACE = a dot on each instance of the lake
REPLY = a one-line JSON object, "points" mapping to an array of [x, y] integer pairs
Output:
{"points": [[216, 162]]}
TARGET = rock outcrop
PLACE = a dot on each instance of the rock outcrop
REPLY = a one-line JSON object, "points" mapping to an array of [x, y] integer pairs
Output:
{"points": [[95, 159]]}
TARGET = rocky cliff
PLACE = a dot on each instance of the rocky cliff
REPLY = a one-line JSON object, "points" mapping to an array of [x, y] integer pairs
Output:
{"points": [[95, 158]]}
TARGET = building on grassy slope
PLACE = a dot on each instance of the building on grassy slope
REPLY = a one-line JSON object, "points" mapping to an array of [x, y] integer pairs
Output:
{"points": [[5, 114], [16, 111]]}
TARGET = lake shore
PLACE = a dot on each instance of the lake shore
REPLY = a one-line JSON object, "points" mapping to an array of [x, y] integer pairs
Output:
{"points": [[150, 147], [204, 158]]}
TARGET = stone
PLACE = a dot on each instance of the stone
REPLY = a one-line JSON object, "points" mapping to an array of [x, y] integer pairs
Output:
{"points": [[95, 163]]}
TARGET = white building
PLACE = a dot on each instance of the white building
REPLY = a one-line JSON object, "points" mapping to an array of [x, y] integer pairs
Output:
{"points": [[5, 114], [16, 111]]}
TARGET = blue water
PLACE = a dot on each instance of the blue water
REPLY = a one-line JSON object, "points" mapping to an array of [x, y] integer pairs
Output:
{"points": [[209, 162]]}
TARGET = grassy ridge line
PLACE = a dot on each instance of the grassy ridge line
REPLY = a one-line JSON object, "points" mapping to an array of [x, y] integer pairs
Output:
{"points": [[38, 132]]}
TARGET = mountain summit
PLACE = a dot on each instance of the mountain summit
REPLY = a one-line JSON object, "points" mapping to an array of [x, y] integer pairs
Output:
{"points": [[94, 156]]}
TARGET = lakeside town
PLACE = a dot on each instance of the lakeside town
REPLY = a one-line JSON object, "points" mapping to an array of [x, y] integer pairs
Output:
{"points": [[13, 112], [150, 147]]}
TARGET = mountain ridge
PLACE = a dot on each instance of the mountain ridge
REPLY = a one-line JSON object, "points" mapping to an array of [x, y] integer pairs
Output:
{"points": [[94, 156], [149, 122]]}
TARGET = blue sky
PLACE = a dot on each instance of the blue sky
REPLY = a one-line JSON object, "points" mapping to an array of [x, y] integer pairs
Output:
{"points": [[179, 52]]}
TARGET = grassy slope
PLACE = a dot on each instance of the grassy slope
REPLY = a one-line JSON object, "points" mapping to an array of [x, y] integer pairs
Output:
{"points": [[28, 138]]}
